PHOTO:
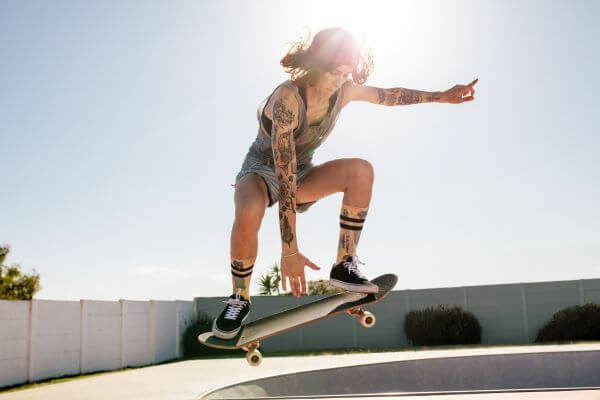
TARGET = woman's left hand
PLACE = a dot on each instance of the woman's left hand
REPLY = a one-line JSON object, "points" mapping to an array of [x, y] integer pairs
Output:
{"points": [[459, 93]]}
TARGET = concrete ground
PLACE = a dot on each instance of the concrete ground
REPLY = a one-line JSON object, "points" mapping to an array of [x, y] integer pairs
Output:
{"points": [[188, 380]]}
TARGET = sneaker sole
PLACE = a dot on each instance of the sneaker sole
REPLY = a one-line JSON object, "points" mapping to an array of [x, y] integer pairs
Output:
{"points": [[354, 287], [227, 334]]}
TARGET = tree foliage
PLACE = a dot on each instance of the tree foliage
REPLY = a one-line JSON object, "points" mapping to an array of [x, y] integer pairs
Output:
{"points": [[322, 286], [268, 284], [15, 285]]}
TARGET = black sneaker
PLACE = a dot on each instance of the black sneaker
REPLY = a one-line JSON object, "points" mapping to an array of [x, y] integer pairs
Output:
{"points": [[235, 313], [346, 275]]}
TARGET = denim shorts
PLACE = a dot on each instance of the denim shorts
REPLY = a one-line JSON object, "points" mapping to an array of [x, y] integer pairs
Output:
{"points": [[267, 172]]}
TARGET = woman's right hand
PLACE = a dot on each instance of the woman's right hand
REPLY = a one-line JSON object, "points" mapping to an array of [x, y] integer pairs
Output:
{"points": [[292, 269]]}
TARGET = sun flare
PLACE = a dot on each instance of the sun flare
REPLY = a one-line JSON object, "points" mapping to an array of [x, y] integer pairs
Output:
{"points": [[382, 26]]}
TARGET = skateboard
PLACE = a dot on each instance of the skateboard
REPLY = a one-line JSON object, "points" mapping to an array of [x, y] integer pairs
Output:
{"points": [[250, 335]]}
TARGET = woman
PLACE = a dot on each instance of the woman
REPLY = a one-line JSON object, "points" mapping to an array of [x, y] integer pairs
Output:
{"points": [[293, 121]]}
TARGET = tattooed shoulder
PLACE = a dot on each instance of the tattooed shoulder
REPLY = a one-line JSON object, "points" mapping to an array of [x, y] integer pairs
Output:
{"points": [[284, 108], [283, 115]]}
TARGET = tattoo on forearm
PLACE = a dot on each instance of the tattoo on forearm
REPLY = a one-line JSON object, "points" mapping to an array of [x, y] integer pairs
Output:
{"points": [[401, 96], [285, 161], [286, 195], [284, 150], [381, 95], [286, 231]]}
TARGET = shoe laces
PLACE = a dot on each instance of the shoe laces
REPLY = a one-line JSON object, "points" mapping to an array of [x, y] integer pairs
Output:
{"points": [[352, 267], [234, 306]]}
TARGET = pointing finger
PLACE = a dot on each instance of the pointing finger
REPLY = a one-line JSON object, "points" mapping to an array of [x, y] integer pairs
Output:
{"points": [[474, 82]]}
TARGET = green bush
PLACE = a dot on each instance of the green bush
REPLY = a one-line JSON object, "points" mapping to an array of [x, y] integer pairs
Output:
{"points": [[191, 346], [572, 323], [442, 325], [322, 286]]}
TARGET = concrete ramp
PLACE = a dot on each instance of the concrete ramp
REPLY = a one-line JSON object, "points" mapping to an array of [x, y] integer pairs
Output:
{"points": [[494, 372]]}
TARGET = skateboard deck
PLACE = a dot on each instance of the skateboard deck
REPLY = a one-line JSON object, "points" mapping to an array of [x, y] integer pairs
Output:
{"points": [[251, 333]]}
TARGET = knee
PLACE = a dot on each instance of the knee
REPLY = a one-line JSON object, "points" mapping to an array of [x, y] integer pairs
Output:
{"points": [[361, 171], [249, 214]]}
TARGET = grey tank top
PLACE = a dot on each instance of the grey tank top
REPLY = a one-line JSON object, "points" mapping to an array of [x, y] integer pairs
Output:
{"points": [[306, 138]]}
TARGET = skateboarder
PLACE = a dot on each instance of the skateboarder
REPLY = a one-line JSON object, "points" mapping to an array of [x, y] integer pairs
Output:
{"points": [[325, 75]]}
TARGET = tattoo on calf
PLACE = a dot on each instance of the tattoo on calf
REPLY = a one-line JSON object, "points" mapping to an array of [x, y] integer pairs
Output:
{"points": [[346, 242], [352, 220]]}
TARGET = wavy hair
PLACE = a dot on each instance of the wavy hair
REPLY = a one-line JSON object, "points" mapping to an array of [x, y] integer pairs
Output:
{"points": [[306, 60]]}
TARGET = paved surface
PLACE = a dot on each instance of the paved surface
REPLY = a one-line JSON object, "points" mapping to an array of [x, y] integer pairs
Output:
{"points": [[188, 380], [578, 395]]}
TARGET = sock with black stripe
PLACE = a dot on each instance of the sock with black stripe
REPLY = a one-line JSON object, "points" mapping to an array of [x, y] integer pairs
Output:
{"points": [[241, 272], [351, 224]]}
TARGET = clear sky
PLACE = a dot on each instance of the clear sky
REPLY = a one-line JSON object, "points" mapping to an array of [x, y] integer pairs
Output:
{"points": [[124, 123]]}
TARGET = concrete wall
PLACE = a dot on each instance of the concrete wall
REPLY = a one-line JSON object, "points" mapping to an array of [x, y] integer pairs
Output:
{"points": [[508, 314], [14, 341], [42, 339]]}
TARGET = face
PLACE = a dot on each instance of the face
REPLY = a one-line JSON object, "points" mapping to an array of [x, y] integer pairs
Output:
{"points": [[331, 81]]}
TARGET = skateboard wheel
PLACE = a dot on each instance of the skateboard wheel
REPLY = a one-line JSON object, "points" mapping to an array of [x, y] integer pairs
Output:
{"points": [[367, 319], [254, 358]]}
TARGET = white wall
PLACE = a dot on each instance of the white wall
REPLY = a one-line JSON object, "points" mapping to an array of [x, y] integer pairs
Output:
{"points": [[55, 339], [14, 341], [101, 335], [508, 314], [42, 339]]}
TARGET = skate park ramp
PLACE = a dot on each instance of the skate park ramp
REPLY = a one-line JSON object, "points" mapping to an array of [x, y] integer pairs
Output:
{"points": [[493, 373]]}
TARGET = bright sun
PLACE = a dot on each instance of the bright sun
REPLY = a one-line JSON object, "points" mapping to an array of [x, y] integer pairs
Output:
{"points": [[382, 25]]}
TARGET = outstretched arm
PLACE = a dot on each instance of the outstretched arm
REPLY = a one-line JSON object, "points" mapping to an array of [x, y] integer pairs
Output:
{"points": [[402, 96]]}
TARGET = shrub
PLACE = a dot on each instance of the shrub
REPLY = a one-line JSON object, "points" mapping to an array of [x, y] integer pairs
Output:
{"points": [[191, 346], [572, 323], [442, 325], [322, 286]]}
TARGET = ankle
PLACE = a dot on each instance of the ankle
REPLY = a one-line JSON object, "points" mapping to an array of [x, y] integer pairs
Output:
{"points": [[241, 274], [343, 257]]}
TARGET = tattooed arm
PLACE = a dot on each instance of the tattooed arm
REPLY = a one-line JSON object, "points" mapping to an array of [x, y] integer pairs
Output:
{"points": [[400, 97], [389, 97], [285, 120]]}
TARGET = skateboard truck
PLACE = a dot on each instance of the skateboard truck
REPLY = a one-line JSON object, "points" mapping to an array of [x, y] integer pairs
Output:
{"points": [[253, 356], [365, 318]]}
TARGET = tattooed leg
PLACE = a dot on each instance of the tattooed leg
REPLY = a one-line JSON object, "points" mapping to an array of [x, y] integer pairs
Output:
{"points": [[351, 223], [241, 272]]}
